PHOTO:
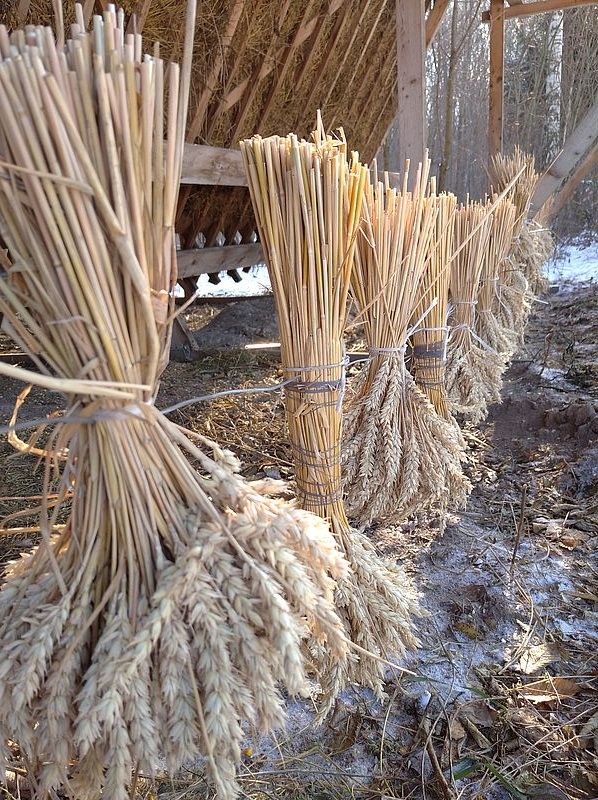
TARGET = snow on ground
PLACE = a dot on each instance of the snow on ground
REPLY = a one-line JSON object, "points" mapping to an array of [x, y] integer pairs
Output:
{"points": [[574, 263]]}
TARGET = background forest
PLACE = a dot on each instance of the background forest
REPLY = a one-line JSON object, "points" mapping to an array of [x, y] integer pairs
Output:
{"points": [[550, 82]]}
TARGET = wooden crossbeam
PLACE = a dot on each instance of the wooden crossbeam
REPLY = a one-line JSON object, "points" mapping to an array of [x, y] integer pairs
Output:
{"points": [[191, 263], [576, 146], [539, 7]]}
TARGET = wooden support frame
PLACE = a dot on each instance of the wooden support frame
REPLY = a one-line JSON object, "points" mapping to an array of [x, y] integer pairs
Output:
{"points": [[520, 9], [411, 53], [495, 94], [564, 194], [583, 137]]}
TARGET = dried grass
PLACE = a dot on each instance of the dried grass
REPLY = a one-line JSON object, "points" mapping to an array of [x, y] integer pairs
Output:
{"points": [[399, 455], [488, 326], [474, 370], [307, 199], [175, 599]]}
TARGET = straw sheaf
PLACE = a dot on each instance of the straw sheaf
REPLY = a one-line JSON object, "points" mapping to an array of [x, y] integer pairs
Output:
{"points": [[307, 198], [474, 370], [388, 443], [531, 250], [405, 473], [175, 600], [488, 325]]}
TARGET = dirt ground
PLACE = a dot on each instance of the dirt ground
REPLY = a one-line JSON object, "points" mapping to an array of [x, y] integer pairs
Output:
{"points": [[501, 698]]}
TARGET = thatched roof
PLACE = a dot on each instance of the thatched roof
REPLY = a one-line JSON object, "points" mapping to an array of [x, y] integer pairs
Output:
{"points": [[265, 67]]}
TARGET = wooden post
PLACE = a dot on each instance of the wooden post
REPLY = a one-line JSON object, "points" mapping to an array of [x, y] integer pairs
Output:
{"points": [[497, 47], [411, 50]]}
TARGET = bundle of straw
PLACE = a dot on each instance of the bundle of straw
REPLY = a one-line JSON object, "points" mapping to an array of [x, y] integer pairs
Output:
{"points": [[428, 354], [307, 201], [515, 173], [488, 325], [399, 455], [474, 370], [167, 608], [532, 242]]}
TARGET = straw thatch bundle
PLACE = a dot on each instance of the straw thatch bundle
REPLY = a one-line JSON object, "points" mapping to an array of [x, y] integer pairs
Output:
{"points": [[516, 175], [171, 602], [428, 354], [488, 325], [532, 242], [474, 370], [307, 201], [399, 455]]}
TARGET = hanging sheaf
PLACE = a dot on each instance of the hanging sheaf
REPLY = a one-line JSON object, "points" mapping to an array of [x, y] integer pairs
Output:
{"points": [[399, 455], [474, 370], [174, 602], [307, 199]]}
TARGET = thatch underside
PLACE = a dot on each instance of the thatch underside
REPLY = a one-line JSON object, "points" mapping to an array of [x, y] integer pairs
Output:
{"points": [[266, 67]]}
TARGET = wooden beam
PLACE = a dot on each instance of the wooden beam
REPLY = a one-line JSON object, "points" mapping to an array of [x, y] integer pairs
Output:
{"points": [[539, 7], [583, 137], [495, 99], [586, 165], [434, 19], [191, 263], [212, 166], [411, 52]]}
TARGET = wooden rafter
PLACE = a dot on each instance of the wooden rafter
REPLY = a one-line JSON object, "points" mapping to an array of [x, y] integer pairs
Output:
{"points": [[348, 49], [358, 66], [212, 166], [335, 35], [539, 7], [252, 86], [202, 106]]}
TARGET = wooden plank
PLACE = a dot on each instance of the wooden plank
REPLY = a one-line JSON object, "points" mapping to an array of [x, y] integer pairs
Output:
{"points": [[191, 263], [539, 7], [434, 19], [586, 165], [495, 98], [583, 137], [212, 166], [411, 53]]}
